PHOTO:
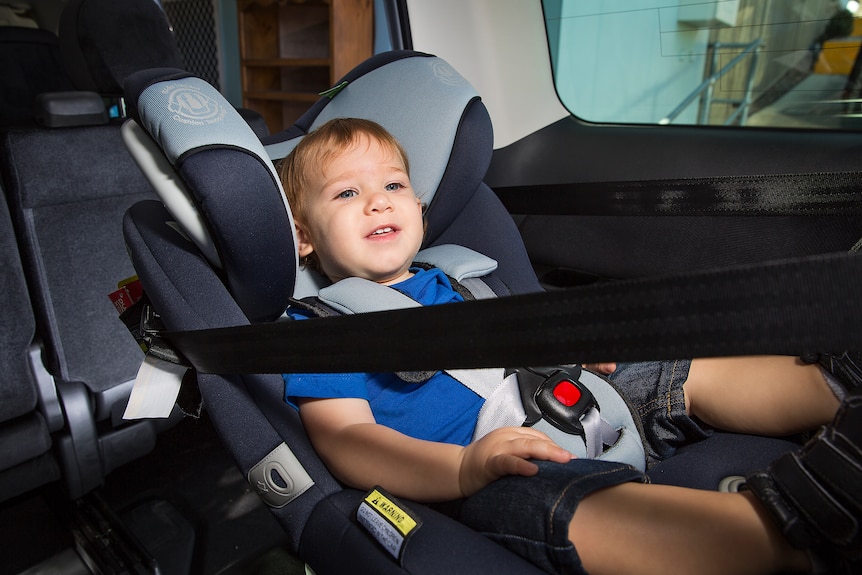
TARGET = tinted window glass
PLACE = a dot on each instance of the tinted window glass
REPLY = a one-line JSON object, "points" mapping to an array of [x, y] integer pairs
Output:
{"points": [[792, 63]]}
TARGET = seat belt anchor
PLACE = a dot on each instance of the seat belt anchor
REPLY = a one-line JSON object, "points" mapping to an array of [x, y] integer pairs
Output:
{"points": [[145, 325]]}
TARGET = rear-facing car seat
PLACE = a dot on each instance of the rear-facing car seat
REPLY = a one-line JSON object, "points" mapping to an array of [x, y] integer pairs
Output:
{"points": [[231, 267]]}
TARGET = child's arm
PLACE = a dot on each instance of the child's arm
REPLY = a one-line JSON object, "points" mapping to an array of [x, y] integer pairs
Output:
{"points": [[363, 453]]}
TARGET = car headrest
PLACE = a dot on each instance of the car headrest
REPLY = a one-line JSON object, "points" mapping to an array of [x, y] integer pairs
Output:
{"points": [[435, 114], [103, 41], [213, 175]]}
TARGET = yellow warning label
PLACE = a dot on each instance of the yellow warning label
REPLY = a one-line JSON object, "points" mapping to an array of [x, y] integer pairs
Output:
{"points": [[394, 514]]}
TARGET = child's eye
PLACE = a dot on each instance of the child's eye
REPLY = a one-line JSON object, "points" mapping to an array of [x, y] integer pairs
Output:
{"points": [[347, 194], [394, 187]]}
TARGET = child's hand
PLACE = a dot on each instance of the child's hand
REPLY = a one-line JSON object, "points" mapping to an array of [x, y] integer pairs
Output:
{"points": [[603, 368], [506, 451]]}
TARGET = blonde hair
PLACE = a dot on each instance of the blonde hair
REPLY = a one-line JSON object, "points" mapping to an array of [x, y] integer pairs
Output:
{"points": [[316, 150]]}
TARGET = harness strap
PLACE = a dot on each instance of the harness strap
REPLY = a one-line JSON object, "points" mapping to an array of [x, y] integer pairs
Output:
{"points": [[597, 432], [502, 408]]}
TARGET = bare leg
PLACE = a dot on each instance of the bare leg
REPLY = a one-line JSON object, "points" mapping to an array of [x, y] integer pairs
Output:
{"points": [[767, 395], [646, 529]]}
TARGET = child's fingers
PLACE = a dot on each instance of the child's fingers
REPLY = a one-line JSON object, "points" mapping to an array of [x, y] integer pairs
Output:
{"points": [[603, 368], [529, 443], [508, 464]]}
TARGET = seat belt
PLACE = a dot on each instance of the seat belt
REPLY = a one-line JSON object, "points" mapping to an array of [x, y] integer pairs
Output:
{"points": [[828, 193], [786, 307]]}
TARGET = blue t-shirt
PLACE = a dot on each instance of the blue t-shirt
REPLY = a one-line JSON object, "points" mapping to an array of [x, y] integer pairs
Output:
{"points": [[440, 409]]}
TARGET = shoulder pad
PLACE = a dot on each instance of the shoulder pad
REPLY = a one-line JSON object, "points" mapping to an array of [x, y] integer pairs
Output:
{"points": [[357, 295], [457, 261]]}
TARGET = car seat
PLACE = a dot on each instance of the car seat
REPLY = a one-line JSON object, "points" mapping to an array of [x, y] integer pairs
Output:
{"points": [[232, 267]]}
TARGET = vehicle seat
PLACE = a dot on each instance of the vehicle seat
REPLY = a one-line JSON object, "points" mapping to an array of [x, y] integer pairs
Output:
{"points": [[26, 460], [68, 180], [103, 41], [237, 266], [31, 65]]}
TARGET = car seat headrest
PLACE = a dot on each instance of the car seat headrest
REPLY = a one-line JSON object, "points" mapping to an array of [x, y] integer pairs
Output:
{"points": [[103, 41], [430, 108], [214, 177]]}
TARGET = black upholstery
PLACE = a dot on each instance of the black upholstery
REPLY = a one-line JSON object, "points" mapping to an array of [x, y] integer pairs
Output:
{"points": [[67, 189], [31, 65], [25, 460], [103, 41]]}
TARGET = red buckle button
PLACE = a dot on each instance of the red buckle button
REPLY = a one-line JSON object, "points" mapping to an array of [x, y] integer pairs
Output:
{"points": [[567, 393]]}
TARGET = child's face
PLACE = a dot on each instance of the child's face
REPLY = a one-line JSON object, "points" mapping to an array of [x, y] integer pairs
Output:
{"points": [[361, 216]]}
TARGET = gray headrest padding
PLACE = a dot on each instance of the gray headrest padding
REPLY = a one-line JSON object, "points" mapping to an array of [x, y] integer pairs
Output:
{"points": [[172, 110], [419, 100]]}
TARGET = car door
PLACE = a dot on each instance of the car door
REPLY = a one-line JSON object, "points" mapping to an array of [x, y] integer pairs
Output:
{"points": [[613, 162]]}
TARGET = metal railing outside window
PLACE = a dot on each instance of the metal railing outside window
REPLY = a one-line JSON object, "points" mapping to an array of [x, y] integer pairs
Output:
{"points": [[705, 91]]}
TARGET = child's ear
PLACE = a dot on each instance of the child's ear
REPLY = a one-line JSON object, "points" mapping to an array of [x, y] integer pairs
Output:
{"points": [[303, 240]]}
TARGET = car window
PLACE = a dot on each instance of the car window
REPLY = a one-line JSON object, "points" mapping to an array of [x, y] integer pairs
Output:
{"points": [[793, 63]]}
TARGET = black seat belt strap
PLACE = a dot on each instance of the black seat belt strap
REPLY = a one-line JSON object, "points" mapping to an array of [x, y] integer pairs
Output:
{"points": [[833, 193], [786, 307]]}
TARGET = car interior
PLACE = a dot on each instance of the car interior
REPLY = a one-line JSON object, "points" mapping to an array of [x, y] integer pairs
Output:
{"points": [[102, 184]]}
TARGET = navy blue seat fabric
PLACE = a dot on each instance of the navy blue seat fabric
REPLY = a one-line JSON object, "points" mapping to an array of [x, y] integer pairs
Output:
{"points": [[103, 41], [217, 275]]}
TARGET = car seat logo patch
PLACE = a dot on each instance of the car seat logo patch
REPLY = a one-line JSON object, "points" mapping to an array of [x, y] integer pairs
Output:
{"points": [[446, 73], [191, 106]]}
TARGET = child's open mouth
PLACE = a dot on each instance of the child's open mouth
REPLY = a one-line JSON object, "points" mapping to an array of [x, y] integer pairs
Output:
{"points": [[385, 230]]}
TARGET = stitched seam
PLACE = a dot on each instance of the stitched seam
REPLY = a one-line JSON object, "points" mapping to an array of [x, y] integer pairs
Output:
{"points": [[670, 387]]}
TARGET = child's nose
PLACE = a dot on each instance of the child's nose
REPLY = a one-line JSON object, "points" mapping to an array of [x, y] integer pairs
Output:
{"points": [[379, 202]]}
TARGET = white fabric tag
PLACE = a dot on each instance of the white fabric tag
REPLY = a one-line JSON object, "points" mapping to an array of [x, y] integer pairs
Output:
{"points": [[155, 390]]}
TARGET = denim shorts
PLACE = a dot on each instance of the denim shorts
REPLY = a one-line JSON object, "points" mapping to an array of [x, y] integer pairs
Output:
{"points": [[530, 516], [654, 391]]}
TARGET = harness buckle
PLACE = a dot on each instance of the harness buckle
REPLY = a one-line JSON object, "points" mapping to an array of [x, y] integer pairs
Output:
{"points": [[556, 395]]}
